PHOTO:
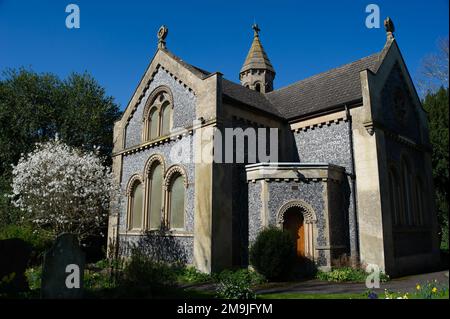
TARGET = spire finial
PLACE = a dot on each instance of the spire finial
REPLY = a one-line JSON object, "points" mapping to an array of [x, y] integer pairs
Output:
{"points": [[162, 34], [256, 29], [390, 28]]}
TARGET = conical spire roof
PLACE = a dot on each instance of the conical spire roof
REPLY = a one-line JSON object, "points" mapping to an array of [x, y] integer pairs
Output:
{"points": [[257, 57]]}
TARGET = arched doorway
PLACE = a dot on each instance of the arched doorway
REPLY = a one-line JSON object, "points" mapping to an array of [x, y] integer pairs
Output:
{"points": [[293, 224], [298, 218]]}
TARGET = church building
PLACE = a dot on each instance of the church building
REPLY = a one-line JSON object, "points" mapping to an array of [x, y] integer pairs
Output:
{"points": [[352, 180]]}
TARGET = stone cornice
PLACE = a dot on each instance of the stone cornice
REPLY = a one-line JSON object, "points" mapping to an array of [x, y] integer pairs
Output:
{"points": [[319, 122], [294, 172], [175, 135]]}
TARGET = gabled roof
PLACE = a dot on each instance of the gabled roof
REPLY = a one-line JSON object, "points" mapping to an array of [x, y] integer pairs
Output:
{"points": [[197, 71], [323, 91], [249, 97]]}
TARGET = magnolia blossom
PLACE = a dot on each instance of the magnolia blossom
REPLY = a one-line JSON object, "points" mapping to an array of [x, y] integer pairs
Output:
{"points": [[64, 189]]}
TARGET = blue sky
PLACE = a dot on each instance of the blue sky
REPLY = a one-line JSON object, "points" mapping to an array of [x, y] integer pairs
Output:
{"points": [[116, 40]]}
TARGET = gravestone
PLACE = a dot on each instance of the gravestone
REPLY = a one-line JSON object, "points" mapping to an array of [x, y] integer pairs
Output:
{"points": [[63, 269], [14, 257]]}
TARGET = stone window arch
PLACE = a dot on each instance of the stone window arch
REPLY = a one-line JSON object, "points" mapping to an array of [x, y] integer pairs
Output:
{"points": [[309, 220], [154, 173], [135, 195], [175, 189], [158, 113]]}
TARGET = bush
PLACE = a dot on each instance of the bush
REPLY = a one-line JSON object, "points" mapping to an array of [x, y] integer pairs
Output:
{"points": [[143, 277], [38, 239], [235, 285], [191, 275], [34, 276], [273, 253], [250, 277], [347, 274]]}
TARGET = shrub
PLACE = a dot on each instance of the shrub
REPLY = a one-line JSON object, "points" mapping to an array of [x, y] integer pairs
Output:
{"points": [[346, 274], [38, 239], [247, 276], [235, 285], [273, 253], [142, 276], [34, 275], [191, 275]]}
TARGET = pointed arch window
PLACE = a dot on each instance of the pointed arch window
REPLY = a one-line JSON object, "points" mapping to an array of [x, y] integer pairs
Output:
{"points": [[158, 114], [135, 204]]}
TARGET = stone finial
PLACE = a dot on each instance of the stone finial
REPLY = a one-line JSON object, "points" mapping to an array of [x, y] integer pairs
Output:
{"points": [[256, 29], [162, 34], [390, 28]]}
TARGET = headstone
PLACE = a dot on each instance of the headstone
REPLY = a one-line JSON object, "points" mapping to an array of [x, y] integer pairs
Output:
{"points": [[14, 257], [63, 269]]}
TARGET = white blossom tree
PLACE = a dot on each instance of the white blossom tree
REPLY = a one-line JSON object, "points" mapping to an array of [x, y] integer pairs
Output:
{"points": [[64, 189]]}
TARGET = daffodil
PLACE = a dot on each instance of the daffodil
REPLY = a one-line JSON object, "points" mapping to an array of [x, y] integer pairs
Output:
{"points": [[434, 290], [418, 287]]}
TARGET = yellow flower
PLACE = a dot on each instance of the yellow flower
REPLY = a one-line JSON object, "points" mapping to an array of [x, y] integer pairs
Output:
{"points": [[418, 287], [434, 290]]}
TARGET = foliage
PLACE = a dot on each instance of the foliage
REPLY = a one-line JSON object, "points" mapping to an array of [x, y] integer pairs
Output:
{"points": [[63, 189], [34, 275], [34, 107], [436, 105], [143, 271], [346, 274], [235, 285], [39, 240], [273, 253], [431, 290], [190, 274], [242, 275]]}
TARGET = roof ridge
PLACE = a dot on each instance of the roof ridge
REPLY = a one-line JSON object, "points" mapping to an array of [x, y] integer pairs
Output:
{"points": [[312, 77]]}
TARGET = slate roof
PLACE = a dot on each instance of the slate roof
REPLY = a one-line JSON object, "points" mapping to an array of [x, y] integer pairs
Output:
{"points": [[318, 93], [257, 58], [248, 97], [323, 91]]}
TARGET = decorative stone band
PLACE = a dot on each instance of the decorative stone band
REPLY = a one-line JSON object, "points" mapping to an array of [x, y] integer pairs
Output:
{"points": [[297, 172], [318, 122], [407, 142], [174, 135], [307, 211]]}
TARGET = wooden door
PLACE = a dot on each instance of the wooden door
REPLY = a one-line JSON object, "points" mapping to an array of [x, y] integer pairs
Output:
{"points": [[293, 223]]}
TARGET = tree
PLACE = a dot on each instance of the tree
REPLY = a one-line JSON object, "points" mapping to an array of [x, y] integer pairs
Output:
{"points": [[64, 189], [34, 107], [436, 105], [433, 72]]}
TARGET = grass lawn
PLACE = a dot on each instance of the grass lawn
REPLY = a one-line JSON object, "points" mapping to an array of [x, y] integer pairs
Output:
{"points": [[294, 295]]}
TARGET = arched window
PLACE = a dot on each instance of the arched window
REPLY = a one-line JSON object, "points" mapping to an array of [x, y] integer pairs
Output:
{"points": [[258, 87], [407, 184], [165, 118], [176, 192], [153, 124], [135, 205], [395, 197], [155, 196], [158, 114]]}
